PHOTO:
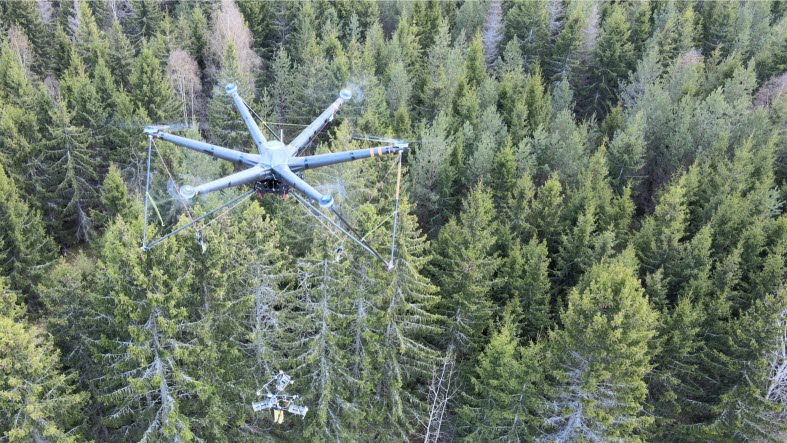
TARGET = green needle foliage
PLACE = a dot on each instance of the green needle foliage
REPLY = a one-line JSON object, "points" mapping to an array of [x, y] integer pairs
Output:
{"points": [[591, 240]]}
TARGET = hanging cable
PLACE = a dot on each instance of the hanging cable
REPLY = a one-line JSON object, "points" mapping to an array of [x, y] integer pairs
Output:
{"points": [[192, 221], [196, 220], [317, 213], [147, 195], [396, 207], [260, 119], [172, 179], [229, 209]]}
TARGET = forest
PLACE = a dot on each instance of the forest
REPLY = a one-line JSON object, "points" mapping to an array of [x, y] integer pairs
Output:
{"points": [[591, 244]]}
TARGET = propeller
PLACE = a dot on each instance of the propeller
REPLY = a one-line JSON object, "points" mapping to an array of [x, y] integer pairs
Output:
{"points": [[374, 138], [172, 127]]}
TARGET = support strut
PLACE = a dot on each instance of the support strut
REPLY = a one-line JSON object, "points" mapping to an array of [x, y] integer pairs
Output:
{"points": [[317, 213], [146, 247]]}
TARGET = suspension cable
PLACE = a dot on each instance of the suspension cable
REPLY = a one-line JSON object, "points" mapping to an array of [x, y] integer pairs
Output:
{"points": [[196, 220], [229, 209], [174, 184], [317, 213], [260, 119], [396, 206], [147, 194]]}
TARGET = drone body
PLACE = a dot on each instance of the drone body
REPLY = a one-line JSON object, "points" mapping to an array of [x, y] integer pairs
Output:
{"points": [[276, 401], [276, 168]]}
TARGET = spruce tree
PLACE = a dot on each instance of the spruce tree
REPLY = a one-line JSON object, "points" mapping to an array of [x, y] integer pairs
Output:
{"points": [[613, 58], [120, 53], [430, 166], [145, 338], [626, 153], [526, 274], [529, 22], [26, 250], [744, 376], [226, 128], [69, 178], [146, 19], [464, 266], [19, 135], [545, 212], [88, 38], [322, 327], [602, 357], [503, 404], [475, 69], [38, 401], [114, 197], [149, 89]]}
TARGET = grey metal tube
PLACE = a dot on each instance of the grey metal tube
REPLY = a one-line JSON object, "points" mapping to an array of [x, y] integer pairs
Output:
{"points": [[283, 173], [207, 148], [256, 134], [246, 176], [300, 141], [316, 161]]}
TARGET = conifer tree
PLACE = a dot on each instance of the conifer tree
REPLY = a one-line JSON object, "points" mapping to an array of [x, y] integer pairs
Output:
{"points": [[488, 138], [24, 15], [114, 197], [149, 88], [81, 97], [613, 58], [68, 183], [146, 19], [324, 319], [464, 266], [545, 212], [18, 137], [38, 401], [673, 389], [145, 340], [120, 53], [88, 38], [406, 322], [526, 274], [602, 357], [504, 404], [475, 69], [15, 86], [226, 128], [430, 166], [641, 26], [536, 101], [529, 22], [744, 408], [503, 178], [25, 249], [626, 153], [564, 56]]}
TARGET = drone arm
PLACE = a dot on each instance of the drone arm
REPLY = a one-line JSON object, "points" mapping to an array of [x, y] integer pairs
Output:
{"points": [[317, 161], [256, 133], [303, 138], [283, 173], [239, 178], [207, 148]]}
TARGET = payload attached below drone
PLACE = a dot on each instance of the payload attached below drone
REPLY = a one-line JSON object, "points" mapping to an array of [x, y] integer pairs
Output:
{"points": [[276, 168], [277, 401]]}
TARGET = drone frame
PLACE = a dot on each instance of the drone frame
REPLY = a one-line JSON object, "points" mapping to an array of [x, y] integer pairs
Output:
{"points": [[271, 400], [276, 168]]}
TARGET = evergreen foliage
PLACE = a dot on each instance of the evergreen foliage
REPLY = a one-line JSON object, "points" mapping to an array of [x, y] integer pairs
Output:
{"points": [[592, 244]]}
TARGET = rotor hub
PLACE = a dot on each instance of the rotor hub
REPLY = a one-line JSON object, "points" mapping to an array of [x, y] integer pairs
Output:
{"points": [[187, 192]]}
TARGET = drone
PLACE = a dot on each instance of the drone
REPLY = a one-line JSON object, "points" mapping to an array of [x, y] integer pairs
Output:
{"points": [[278, 402], [277, 168]]}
